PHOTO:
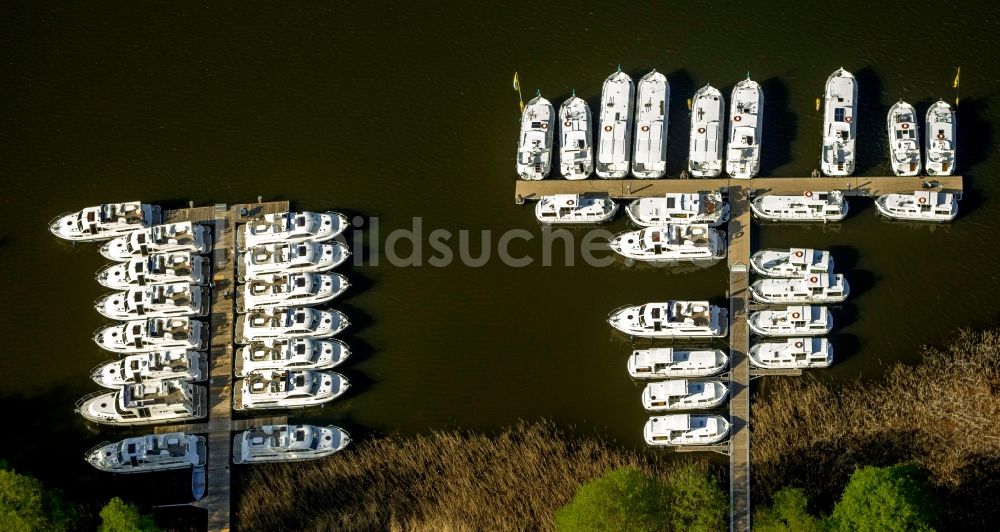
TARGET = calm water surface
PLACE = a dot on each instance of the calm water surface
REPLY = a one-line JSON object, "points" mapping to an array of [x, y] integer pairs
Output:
{"points": [[398, 112]]}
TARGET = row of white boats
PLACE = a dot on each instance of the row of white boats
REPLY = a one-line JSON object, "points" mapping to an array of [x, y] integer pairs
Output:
{"points": [[161, 277], [708, 208], [634, 119]]}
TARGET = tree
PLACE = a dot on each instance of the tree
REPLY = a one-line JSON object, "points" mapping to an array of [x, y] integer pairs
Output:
{"points": [[788, 512], [894, 498], [119, 516], [26, 505], [626, 499]]}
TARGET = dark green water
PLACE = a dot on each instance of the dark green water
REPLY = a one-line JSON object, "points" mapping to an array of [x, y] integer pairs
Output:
{"points": [[398, 112]]}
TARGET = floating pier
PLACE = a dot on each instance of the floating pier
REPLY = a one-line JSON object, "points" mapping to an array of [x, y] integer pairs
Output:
{"points": [[220, 425]]}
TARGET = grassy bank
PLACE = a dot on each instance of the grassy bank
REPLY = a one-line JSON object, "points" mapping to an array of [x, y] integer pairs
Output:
{"points": [[940, 414], [516, 479]]}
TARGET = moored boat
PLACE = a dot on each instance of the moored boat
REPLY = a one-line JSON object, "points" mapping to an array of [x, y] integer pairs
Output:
{"points": [[673, 244], [839, 127], [799, 320], [291, 322], [290, 227], [671, 319], [705, 145], [106, 221], [288, 389], [614, 145], [534, 147], [670, 363], [155, 268], [746, 116], [685, 429], [155, 301], [146, 403], [793, 353], [683, 394], [941, 134], [921, 206], [811, 206], [284, 257], [152, 452], [182, 236], [575, 209], [153, 334], [576, 155], [652, 104], [176, 364], [679, 208], [904, 139], [287, 443], [818, 288], [791, 263], [291, 289], [289, 354]]}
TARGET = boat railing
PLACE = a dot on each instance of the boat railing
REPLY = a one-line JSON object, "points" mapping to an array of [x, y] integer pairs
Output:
{"points": [[53, 221], [619, 309], [98, 369], [81, 401], [96, 447]]}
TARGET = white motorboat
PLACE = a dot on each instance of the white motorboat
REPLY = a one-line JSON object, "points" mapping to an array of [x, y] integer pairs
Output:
{"points": [[152, 452], [671, 319], [285, 354], [670, 363], [792, 263], [811, 206], [105, 221], [576, 155], [819, 288], [839, 128], [146, 403], [746, 118], [292, 322], [793, 353], [705, 146], [291, 227], [153, 334], [800, 320], [175, 364], [614, 145], [685, 429], [291, 290], [683, 394], [155, 268], [534, 147], [941, 135], [673, 244], [575, 209], [679, 208], [270, 389], [287, 443], [283, 257], [183, 236], [652, 118], [155, 301], [904, 139], [921, 206]]}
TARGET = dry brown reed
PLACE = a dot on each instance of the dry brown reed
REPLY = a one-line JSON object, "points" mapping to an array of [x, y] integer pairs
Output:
{"points": [[514, 480], [941, 413]]}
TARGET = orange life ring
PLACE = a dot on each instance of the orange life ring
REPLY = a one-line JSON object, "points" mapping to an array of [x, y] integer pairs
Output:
{"points": [[737, 118], [608, 128], [904, 125], [813, 279], [545, 125], [701, 130], [847, 119], [567, 123], [798, 253], [798, 345], [922, 200], [941, 136], [569, 202], [795, 315], [645, 128], [808, 194]]}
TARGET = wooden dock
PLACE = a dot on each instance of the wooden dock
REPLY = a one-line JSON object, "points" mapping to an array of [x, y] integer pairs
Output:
{"points": [[220, 424], [644, 188], [739, 344]]}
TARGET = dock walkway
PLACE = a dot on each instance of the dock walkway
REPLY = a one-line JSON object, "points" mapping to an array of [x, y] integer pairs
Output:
{"points": [[739, 344], [220, 424]]}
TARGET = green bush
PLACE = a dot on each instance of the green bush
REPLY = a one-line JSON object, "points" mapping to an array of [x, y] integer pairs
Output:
{"points": [[119, 516], [894, 498], [26, 505], [788, 512]]}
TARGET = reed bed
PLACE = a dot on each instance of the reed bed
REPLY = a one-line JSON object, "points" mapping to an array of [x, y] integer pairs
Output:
{"points": [[941, 413], [514, 480]]}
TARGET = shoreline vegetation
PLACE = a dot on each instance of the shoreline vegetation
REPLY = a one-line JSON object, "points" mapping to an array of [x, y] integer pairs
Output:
{"points": [[939, 414], [515, 479]]}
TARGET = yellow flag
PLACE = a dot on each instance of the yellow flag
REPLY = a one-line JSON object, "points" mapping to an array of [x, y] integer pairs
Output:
{"points": [[522, 106], [958, 73], [517, 84]]}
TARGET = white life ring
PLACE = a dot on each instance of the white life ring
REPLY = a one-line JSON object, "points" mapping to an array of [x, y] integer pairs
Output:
{"points": [[813, 279], [567, 123], [545, 125], [905, 126], [608, 128], [808, 194], [645, 128], [798, 345], [701, 130], [922, 200], [847, 119], [795, 315], [569, 202], [798, 254], [737, 118], [941, 136]]}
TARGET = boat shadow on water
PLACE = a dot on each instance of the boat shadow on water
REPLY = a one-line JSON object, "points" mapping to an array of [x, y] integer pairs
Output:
{"points": [[781, 126], [681, 88], [871, 143]]}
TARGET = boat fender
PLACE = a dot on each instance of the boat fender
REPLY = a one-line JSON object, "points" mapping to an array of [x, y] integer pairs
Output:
{"points": [[798, 253], [847, 119], [795, 315], [798, 345], [813, 279], [701, 130], [941, 136], [737, 118], [608, 128], [905, 126], [567, 123], [645, 128], [808, 194], [922, 200]]}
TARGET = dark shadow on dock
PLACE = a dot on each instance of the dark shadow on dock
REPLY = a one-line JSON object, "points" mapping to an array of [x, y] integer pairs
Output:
{"points": [[781, 125], [681, 88], [871, 143]]}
